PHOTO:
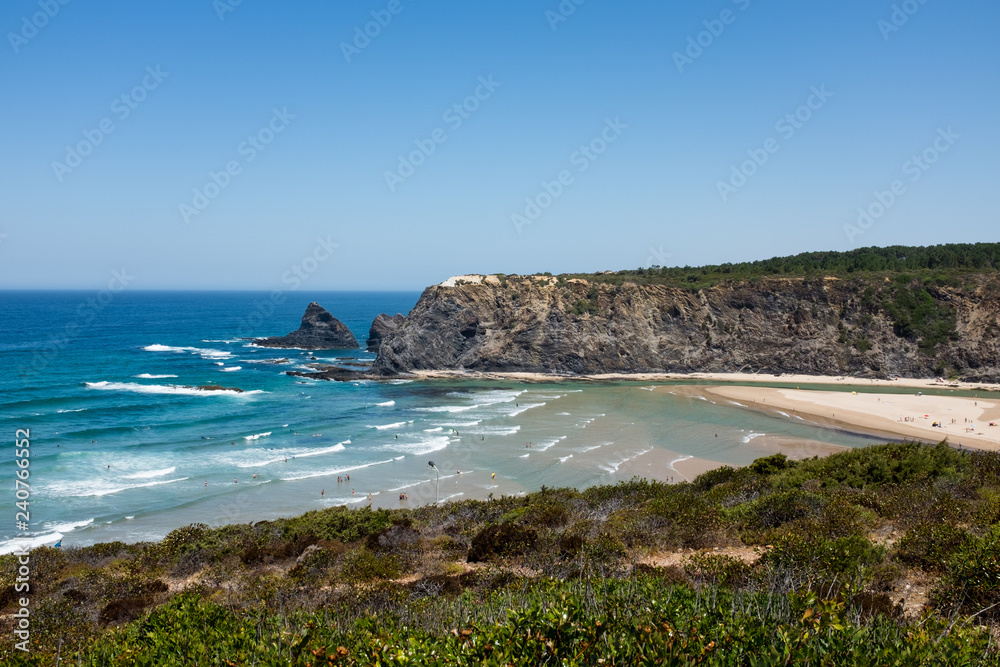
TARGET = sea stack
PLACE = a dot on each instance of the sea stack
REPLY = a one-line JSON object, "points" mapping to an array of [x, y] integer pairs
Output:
{"points": [[319, 331], [382, 325]]}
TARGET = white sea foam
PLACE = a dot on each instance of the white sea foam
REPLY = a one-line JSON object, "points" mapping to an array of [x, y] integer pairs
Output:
{"points": [[433, 430], [419, 445], [333, 471], [204, 353], [150, 376], [522, 408], [545, 444], [448, 408], [648, 388], [750, 437], [93, 488], [62, 411], [563, 414], [385, 427], [495, 430], [257, 436], [166, 389], [459, 424], [151, 473], [524, 456], [230, 369], [737, 403], [257, 458], [784, 414], [386, 404], [68, 527], [16, 545], [613, 466], [563, 459]]}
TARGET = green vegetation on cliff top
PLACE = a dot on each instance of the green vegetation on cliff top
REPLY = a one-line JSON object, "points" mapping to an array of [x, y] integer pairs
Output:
{"points": [[948, 261], [777, 563]]}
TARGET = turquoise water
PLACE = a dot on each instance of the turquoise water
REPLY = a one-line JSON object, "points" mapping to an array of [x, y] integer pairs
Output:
{"points": [[123, 448]]}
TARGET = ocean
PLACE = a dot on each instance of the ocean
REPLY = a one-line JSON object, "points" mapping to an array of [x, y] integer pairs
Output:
{"points": [[123, 448]]}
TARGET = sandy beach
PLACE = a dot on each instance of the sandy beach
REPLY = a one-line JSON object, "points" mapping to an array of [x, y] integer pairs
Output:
{"points": [[960, 420], [710, 378]]}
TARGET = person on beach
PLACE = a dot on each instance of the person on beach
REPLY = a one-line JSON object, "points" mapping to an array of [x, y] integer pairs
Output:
{"points": [[322, 493], [493, 476], [235, 481]]}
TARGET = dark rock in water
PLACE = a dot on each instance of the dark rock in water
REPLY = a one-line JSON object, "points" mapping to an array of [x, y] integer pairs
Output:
{"points": [[335, 373], [216, 387], [319, 331], [382, 325]]}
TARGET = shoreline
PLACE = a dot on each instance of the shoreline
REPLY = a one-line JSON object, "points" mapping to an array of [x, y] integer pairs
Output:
{"points": [[704, 378], [963, 421]]}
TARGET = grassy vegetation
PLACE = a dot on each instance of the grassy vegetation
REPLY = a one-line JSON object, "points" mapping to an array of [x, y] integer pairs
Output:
{"points": [[777, 563]]}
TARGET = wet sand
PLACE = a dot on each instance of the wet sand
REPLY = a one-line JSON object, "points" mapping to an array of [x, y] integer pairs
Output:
{"points": [[963, 421]]}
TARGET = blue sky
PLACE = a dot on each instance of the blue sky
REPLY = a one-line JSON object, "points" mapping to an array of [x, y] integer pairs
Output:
{"points": [[309, 128]]}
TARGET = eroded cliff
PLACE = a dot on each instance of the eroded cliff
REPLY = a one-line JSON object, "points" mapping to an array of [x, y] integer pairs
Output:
{"points": [[868, 327]]}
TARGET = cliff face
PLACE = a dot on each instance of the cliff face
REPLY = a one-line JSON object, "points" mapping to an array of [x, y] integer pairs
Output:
{"points": [[382, 325], [823, 326]]}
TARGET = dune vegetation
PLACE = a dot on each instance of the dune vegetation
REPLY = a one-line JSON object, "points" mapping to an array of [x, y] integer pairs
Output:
{"points": [[888, 555]]}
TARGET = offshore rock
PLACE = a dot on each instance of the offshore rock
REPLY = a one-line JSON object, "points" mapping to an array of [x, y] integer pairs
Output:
{"points": [[319, 331]]}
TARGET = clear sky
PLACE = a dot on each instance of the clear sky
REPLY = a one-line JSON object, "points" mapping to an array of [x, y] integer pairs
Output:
{"points": [[230, 145]]}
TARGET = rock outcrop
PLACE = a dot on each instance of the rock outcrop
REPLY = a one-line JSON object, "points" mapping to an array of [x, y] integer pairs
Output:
{"points": [[382, 325], [822, 326], [319, 331]]}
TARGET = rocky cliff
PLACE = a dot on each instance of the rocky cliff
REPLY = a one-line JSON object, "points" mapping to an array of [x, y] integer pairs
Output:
{"points": [[868, 327], [382, 325], [319, 330]]}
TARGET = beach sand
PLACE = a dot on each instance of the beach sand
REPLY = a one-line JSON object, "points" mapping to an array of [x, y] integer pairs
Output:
{"points": [[964, 421], [710, 378]]}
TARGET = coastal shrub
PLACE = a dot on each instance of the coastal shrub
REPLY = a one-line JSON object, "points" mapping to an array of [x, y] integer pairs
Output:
{"points": [[972, 581], [338, 523], [769, 465], [780, 508], [688, 519], [717, 569], [363, 565], [879, 465], [812, 559], [501, 541], [931, 546]]}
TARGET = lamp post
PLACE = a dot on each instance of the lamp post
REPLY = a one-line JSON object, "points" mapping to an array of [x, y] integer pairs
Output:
{"points": [[437, 491]]}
